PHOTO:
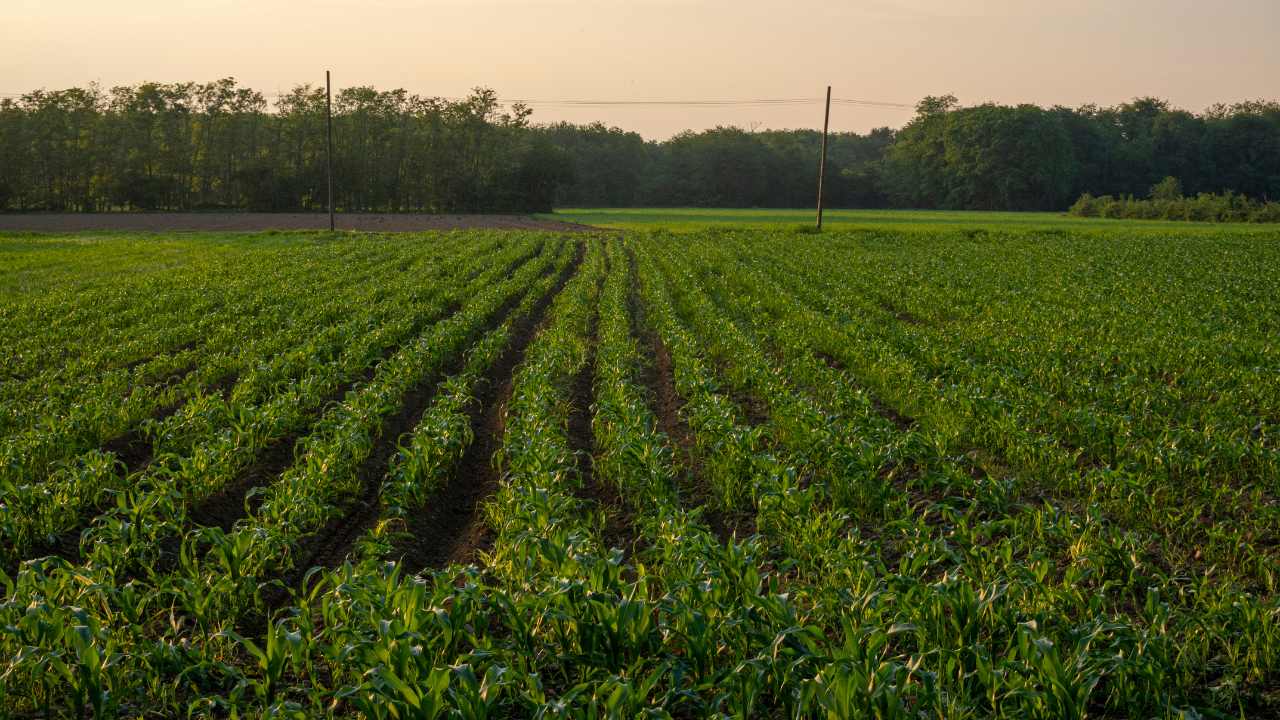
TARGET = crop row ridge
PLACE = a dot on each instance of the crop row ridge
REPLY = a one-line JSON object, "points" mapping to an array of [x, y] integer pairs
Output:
{"points": [[451, 528]]}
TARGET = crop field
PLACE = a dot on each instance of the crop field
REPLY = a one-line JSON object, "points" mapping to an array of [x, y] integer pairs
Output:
{"points": [[967, 473], [903, 221]]}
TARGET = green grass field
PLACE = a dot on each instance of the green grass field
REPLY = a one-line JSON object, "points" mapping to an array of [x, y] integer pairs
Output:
{"points": [[683, 219]]}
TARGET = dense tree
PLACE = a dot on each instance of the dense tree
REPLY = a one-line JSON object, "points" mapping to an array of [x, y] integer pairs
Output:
{"points": [[217, 145], [1008, 158], [605, 166], [190, 146], [1025, 157]]}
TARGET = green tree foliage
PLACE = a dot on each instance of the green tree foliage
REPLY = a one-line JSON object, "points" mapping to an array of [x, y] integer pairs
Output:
{"points": [[605, 166], [721, 167], [1168, 203], [1167, 189], [191, 146], [1029, 158]]}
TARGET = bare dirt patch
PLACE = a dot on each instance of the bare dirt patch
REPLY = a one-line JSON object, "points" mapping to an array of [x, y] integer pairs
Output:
{"points": [[256, 222]]}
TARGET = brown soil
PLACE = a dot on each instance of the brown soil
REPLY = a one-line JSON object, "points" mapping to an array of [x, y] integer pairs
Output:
{"points": [[190, 345], [234, 501], [452, 529], [222, 387], [132, 449], [251, 222], [231, 503], [658, 377], [135, 452], [901, 315]]}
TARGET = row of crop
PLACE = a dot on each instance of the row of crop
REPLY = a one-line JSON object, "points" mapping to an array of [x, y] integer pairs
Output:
{"points": [[1094, 546], [430, 453], [1172, 353], [193, 337], [811, 351], [1143, 384], [939, 563], [941, 403], [219, 574], [214, 298], [369, 638], [989, 409], [192, 453], [950, 606], [91, 298], [844, 454], [797, 647], [329, 472], [567, 630], [189, 478], [705, 618], [235, 338], [413, 648], [236, 347], [60, 357]]}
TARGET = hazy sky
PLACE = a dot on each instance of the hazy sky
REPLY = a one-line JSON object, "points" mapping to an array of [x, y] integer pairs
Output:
{"points": [[1192, 52]]}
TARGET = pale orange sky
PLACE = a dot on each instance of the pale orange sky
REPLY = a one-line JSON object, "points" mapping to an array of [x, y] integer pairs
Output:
{"points": [[1193, 53]]}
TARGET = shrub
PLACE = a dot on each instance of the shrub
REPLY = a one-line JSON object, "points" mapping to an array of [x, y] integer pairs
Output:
{"points": [[1168, 203]]}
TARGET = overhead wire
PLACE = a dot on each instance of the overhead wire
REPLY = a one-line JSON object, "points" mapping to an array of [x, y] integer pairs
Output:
{"points": [[654, 102]]}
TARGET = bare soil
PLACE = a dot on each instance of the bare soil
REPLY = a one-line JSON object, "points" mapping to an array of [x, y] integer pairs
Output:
{"points": [[232, 502], [255, 222], [658, 376], [452, 529]]}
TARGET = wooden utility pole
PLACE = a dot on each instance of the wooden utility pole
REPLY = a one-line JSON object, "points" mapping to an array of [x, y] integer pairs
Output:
{"points": [[328, 155], [822, 161]]}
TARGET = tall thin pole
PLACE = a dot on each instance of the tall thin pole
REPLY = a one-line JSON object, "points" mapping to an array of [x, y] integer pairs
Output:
{"points": [[822, 161], [328, 155]]}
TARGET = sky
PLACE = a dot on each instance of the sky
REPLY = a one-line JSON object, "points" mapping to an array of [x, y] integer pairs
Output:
{"points": [[1193, 53]]}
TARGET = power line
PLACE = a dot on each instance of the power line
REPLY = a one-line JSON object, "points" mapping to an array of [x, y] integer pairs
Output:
{"points": [[757, 102], [651, 102]]}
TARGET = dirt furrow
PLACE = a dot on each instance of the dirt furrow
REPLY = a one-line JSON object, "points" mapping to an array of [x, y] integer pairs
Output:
{"points": [[232, 502], [134, 451], [236, 501], [451, 528], [659, 378]]}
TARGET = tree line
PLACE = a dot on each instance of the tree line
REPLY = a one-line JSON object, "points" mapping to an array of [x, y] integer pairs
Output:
{"points": [[218, 145], [190, 146], [987, 157]]}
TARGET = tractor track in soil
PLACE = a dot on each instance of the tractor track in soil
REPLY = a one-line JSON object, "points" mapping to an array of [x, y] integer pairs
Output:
{"points": [[452, 528], [658, 377]]}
